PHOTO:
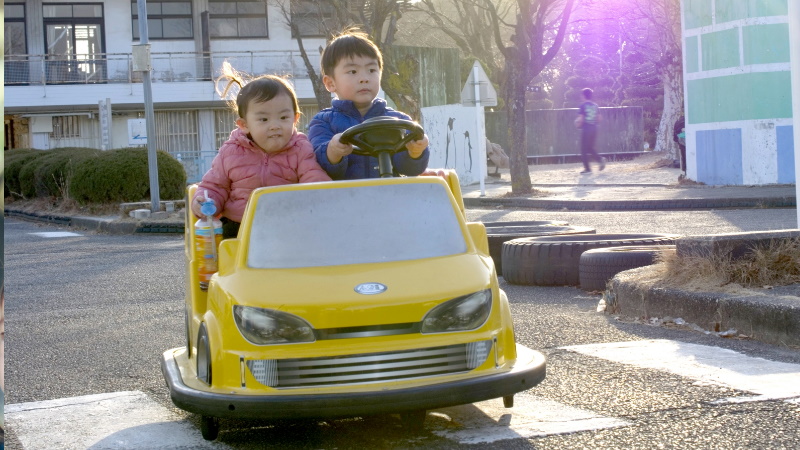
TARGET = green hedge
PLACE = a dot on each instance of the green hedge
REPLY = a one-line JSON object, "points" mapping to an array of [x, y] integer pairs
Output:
{"points": [[122, 175], [53, 171], [15, 161]]}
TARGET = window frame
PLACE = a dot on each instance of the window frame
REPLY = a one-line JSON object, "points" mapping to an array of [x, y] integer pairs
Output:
{"points": [[236, 16], [22, 20], [151, 18]]}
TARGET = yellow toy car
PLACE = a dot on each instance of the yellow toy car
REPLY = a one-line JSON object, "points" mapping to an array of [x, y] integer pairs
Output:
{"points": [[349, 298]]}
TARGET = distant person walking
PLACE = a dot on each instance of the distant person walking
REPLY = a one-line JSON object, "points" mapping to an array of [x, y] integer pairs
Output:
{"points": [[587, 120], [679, 136]]}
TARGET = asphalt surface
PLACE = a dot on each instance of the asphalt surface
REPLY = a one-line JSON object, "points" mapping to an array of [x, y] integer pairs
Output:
{"points": [[642, 184]]}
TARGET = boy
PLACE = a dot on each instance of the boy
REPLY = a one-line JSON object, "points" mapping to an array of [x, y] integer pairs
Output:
{"points": [[351, 69], [588, 117]]}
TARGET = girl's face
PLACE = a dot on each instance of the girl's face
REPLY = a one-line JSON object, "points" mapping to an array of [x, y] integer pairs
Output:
{"points": [[271, 123]]}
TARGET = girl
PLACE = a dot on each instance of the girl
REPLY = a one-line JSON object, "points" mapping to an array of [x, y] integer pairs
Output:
{"points": [[265, 149]]}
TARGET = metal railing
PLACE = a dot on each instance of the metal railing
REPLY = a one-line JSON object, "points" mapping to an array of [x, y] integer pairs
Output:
{"points": [[21, 70]]}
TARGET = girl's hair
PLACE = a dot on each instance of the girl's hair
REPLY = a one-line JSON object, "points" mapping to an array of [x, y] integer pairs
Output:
{"points": [[259, 89], [350, 42]]}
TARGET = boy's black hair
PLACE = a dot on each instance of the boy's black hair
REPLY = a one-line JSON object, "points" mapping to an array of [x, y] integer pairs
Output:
{"points": [[351, 42], [587, 93], [260, 89]]}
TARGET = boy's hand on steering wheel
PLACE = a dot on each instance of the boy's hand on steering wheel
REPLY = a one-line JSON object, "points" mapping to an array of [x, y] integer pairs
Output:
{"points": [[415, 148], [337, 150]]}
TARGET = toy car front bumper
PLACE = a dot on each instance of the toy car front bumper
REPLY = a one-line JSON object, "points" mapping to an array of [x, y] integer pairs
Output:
{"points": [[528, 371]]}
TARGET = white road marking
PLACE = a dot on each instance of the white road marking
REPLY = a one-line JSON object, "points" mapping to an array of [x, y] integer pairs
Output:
{"points": [[769, 380], [531, 416], [103, 421], [56, 234]]}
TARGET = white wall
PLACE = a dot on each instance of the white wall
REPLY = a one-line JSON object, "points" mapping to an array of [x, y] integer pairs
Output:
{"points": [[452, 131]]}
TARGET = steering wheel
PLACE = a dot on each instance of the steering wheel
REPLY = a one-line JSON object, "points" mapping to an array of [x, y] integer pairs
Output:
{"points": [[381, 137]]}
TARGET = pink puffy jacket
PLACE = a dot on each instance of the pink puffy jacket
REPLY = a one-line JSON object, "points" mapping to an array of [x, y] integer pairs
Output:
{"points": [[241, 166]]}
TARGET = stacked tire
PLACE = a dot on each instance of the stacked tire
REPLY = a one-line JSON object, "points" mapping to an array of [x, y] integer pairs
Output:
{"points": [[500, 232], [600, 265], [555, 260]]}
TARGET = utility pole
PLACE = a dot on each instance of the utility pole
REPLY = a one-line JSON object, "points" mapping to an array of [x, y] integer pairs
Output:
{"points": [[141, 58]]}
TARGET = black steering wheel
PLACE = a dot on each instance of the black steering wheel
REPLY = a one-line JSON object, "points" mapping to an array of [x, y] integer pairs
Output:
{"points": [[381, 137]]}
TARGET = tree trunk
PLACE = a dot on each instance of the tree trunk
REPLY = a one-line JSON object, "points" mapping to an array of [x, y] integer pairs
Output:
{"points": [[400, 82], [672, 78], [515, 112]]}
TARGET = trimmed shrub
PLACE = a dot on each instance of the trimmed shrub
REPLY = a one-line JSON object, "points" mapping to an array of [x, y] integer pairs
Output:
{"points": [[15, 160], [53, 171], [122, 175]]}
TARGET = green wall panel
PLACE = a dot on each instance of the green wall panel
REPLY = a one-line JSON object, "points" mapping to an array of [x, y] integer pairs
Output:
{"points": [[765, 44], [727, 10], [692, 64], [696, 13], [720, 49], [748, 96]]}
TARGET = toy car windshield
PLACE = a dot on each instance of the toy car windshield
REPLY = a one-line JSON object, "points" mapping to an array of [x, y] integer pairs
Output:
{"points": [[354, 225]]}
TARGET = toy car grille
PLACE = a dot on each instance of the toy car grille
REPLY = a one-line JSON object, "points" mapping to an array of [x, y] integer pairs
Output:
{"points": [[369, 367]]}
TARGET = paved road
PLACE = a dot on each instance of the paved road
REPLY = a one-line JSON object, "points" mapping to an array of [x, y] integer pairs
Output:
{"points": [[89, 314]]}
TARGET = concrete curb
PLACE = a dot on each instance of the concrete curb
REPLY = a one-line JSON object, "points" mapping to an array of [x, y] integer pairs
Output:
{"points": [[633, 205], [109, 226], [773, 318]]}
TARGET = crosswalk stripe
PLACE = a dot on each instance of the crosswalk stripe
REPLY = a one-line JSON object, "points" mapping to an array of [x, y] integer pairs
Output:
{"points": [[103, 421], [531, 416], [56, 234], [768, 380]]}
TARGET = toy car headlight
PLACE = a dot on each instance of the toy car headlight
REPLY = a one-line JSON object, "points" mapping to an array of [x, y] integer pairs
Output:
{"points": [[267, 326], [460, 314]]}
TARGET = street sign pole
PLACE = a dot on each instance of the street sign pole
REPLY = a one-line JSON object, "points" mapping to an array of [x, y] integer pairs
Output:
{"points": [[152, 157], [481, 124]]}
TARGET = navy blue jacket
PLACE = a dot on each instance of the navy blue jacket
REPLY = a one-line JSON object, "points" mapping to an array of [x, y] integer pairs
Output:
{"points": [[339, 117]]}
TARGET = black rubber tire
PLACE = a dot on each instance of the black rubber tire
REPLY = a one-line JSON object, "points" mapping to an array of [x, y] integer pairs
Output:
{"points": [[555, 260], [497, 235], [209, 427], [599, 265]]}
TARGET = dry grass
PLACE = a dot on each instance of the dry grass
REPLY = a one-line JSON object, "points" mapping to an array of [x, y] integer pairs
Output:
{"points": [[775, 265], [66, 207]]}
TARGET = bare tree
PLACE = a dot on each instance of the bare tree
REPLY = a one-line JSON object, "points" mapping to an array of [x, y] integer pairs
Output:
{"points": [[538, 32], [660, 43], [379, 19]]}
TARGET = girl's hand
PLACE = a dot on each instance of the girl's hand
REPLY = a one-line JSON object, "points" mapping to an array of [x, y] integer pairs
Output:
{"points": [[415, 148]]}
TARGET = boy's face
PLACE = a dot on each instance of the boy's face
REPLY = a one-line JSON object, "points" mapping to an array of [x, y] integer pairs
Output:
{"points": [[356, 78], [271, 123]]}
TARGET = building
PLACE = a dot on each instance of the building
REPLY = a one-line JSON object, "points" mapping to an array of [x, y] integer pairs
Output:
{"points": [[738, 94], [69, 78]]}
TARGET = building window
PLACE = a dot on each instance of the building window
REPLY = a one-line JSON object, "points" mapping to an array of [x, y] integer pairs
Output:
{"points": [[65, 127], [225, 121], [313, 18], [75, 42], [166, 19], [232, 19], [15, 44]]}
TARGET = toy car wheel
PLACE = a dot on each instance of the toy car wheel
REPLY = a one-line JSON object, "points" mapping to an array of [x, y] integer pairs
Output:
{"points": [[203, 356], [508, 401], [414, 420], [209, 427]]}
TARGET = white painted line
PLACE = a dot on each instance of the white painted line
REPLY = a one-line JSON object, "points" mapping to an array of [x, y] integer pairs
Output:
{"points": [[57, 234], [769, 380], [531, 416], [116, 420]]}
